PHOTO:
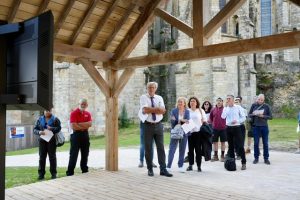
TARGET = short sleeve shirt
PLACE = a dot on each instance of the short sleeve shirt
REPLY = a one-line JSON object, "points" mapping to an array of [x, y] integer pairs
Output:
{"points": [[77, 116]]}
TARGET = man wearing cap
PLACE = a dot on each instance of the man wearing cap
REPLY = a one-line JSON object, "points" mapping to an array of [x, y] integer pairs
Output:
{"points": [[219, 129], [153, 108], [234, 115], [80, 122]]}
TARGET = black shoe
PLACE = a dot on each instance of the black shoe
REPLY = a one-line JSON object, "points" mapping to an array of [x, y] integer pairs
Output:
{"points": [[41, 178], [255, 161], [190, 168], [199, 169], [53, 176], [154, 165], [165, 173], [186, 159], [267, 162], [150, 172]]}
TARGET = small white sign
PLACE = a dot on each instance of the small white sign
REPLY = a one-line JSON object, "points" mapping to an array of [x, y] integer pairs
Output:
{"points": [[17, 132]]}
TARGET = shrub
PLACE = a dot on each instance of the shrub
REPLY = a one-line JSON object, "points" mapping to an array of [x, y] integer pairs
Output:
{"points": [[123, 118]]}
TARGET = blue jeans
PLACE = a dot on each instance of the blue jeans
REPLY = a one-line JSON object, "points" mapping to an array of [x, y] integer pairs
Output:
{"points": [[142, 142], [261, 131], [172, 148]]}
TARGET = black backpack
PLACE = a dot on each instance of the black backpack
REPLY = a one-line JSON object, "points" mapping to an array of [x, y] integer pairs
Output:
{"points": [[229, 164]]}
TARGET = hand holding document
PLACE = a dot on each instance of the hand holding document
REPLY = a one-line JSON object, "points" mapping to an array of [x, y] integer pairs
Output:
{"points": [[258, 112], [48, 135], [188, 126]]}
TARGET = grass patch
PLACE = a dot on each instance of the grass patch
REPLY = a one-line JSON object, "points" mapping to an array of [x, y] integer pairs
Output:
{"points": [[283, 130], [16, 176]]}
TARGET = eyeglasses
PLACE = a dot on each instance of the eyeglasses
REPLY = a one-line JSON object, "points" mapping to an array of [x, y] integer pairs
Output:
{"points": [[206, 104]]}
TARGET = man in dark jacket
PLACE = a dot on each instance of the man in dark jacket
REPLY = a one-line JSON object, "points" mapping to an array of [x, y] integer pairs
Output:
{"points": [[261, 113]]}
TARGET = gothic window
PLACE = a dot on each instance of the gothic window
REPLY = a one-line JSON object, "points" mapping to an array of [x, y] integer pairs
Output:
{"points": [[268, 59], [266, 17], [236, 25], [222, 3]]}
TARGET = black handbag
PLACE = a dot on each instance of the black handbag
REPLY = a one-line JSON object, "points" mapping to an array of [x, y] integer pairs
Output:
{"points": [[229, 164], [206, 129]]}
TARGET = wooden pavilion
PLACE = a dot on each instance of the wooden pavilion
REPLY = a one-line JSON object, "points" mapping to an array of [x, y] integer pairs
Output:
{"points": [[104, 33]]}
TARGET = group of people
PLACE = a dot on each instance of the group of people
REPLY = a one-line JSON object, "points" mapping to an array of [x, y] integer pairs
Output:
{"points": [[80, 122], [227, 122]]}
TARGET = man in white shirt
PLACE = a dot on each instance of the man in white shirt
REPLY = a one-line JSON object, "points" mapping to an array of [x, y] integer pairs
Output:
{"points": [[235, 116], [153, 108]]}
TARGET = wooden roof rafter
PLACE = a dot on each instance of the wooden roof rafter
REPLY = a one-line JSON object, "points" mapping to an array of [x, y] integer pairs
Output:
{"points": [[63, 16], [118, 26], [13, 12], [87, 14], [296, 2], [101, 23], [43, 6]]}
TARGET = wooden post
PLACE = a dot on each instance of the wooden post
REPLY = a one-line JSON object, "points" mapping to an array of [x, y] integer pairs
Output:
{"points": [[2, 115], [111, 122], [198, 23]]}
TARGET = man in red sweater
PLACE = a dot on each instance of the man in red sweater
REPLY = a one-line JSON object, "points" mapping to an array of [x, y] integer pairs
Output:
{"points": [[219, 129]]}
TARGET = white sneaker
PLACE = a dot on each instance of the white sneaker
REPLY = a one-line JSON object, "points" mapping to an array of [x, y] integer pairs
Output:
{"points": [[168, 169], [181, 170]]}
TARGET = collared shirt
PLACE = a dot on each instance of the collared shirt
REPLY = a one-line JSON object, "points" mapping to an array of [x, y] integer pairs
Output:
{"points": [[145, 101], [77, 116], [235, 112]]}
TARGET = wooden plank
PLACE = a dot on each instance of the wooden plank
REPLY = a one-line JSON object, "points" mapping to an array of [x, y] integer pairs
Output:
{"points": [[14, 10], [111, 125], [122, 81], [296, 2], [216, 22], [180, 25], [102, 22], [86, 17], [138, 30], [255, 45], [198, 23], [95, 75], [63, 16], [118, 26], [61, 49], [43, 7]]}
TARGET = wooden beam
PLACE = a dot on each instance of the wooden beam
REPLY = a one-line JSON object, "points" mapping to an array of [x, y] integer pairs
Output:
{"points": [[138, 30], [43, 7], [122, 81], [85, 18], [180, 25], [296, 2], [118, 26], [63, 16], [267, 43], [95, 75], [102, 22], [61, 49], [12, 14], [111, 125], [216, 22], [198, 23]]}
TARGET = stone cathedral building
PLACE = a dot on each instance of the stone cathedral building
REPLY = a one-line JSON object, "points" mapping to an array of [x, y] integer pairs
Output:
{"points": [[206, 79]]}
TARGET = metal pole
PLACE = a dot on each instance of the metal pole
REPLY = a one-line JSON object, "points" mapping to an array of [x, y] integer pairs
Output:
{"points": [[2, 115]]}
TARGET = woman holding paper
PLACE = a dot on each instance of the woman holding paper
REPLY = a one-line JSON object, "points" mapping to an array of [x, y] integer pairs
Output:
{"points": [[195, 139], [179, 115], [46, 127]]}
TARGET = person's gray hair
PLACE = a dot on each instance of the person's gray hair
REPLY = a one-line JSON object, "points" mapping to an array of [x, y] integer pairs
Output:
{"points": [[152, 83], [230, 95], [261, 96], [82, 101]]}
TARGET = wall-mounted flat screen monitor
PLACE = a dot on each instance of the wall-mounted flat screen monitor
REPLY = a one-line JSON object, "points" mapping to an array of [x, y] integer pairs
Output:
{"points": [[30, 63]]}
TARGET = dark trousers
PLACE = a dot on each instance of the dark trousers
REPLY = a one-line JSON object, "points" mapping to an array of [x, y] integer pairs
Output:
{"points": [[195, 144], [50, 149], [142, 142], [154, 132], [80, 140], [243, 131], [263, 132], [235, 138]]}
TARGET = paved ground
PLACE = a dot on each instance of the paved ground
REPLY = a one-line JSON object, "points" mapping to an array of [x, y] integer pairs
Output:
{"points": [[280, 180]]}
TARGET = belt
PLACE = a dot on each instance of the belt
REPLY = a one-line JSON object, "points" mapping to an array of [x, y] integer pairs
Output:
{"points": [[81, 131], [152, 123]]}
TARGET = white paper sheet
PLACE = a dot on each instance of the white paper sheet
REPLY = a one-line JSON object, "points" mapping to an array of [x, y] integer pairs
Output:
{"points": [[258, 112], [48, 135], [187, 127]]}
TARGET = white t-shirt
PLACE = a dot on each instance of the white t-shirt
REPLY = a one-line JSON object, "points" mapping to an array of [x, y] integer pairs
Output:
{"points": [[197, 119]]}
